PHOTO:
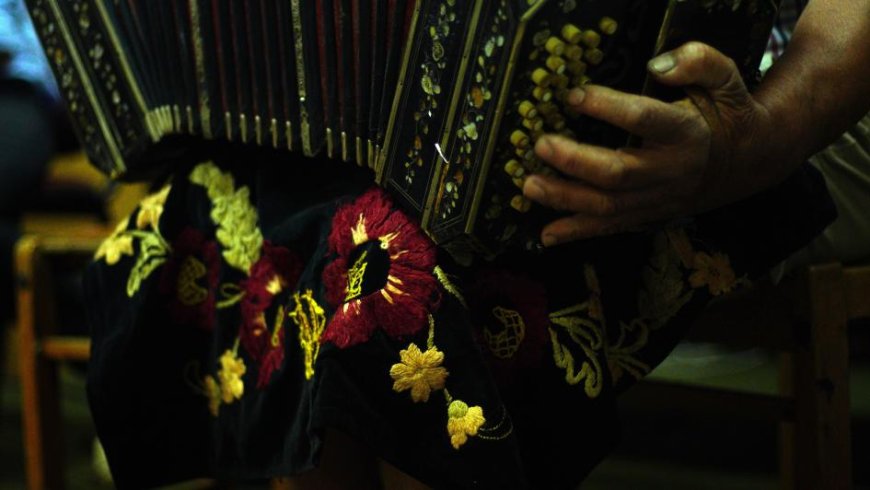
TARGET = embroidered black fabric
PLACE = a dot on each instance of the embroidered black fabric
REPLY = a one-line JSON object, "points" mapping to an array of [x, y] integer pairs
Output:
{"points": [[144, 379]]}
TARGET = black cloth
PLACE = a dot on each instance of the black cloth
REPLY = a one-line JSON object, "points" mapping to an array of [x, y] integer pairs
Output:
{"points": [[542, 344]]}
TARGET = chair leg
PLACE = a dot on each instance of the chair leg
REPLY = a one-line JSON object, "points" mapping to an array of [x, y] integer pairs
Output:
{"points": [[40, 413], [822, 429], [787, 463]]}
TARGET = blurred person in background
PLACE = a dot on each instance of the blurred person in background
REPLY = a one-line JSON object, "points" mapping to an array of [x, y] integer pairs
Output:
{"points": [[29, 115]]}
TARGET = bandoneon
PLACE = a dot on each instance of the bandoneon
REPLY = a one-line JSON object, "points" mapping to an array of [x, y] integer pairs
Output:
{"points": [[442, 99]]}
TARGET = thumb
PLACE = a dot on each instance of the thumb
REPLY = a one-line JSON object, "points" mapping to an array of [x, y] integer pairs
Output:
{"points": [[700, 65]]}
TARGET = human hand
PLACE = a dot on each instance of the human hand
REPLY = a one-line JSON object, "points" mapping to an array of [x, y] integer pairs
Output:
{"points": [[695, 153]]}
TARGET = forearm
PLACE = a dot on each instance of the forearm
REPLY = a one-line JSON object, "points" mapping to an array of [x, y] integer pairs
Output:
{"points": [[820, 86]]}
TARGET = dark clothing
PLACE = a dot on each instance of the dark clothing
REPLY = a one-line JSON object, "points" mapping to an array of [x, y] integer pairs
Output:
{"points": [[261, 301]]}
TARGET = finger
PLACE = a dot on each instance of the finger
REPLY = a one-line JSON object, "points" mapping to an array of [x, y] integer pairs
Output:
{"points": [[643, 116], [700, 65], [576, 197], [622, 169], [580, 226]]}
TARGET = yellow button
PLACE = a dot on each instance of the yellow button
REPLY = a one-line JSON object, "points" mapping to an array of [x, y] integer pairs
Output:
{"points": [[519, 181], [591, 38], [571, 33], [555, 46], [561, 81], [514, 169], [525, 153], [576, 67], [548, 108], [527, 109], [535, 124], [556, 64], [594, 56], [521, 204], [547, 171], [519, 139], [541, 77], [557, 122], [608, 26], [574, 53], [542, 94], [580, 80]]}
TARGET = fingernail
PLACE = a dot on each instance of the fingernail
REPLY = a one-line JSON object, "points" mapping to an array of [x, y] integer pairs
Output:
{"points": [[663, 63], [549, 240], [533, 189], [576, 96], [544, 147]]}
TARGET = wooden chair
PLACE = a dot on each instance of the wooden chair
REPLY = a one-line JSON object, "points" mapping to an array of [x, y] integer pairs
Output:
{"points": [[42, 348], [806, 319], [52, 235]]}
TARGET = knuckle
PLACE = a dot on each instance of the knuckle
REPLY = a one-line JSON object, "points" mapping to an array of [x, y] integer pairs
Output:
{"points": [[608, 228], [617, 172], [571, 161], [639, 116], [730, 65], [699, 127], [607, 206], [560, 200], [576, 230], [697, 50]]}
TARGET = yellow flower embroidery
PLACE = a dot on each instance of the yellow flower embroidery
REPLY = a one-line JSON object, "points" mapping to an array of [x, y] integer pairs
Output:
{"points": [[230, 376], [463, 421], [715, 272], [421, 372], [151, 208], [116, 245], [213, 392], [233, 213]]}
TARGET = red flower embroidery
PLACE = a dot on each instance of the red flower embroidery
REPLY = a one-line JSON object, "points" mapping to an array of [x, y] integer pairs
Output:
{"points": [[514, 319], [190, 278], [276, 270], [382, 275]]}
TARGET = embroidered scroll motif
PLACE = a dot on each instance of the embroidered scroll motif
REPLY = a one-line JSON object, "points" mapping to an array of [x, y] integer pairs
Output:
{"points": [[118, 244], [153, 252], [151, 208], [310, 319], [585, 334], [153, 249], [448, 286]]}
